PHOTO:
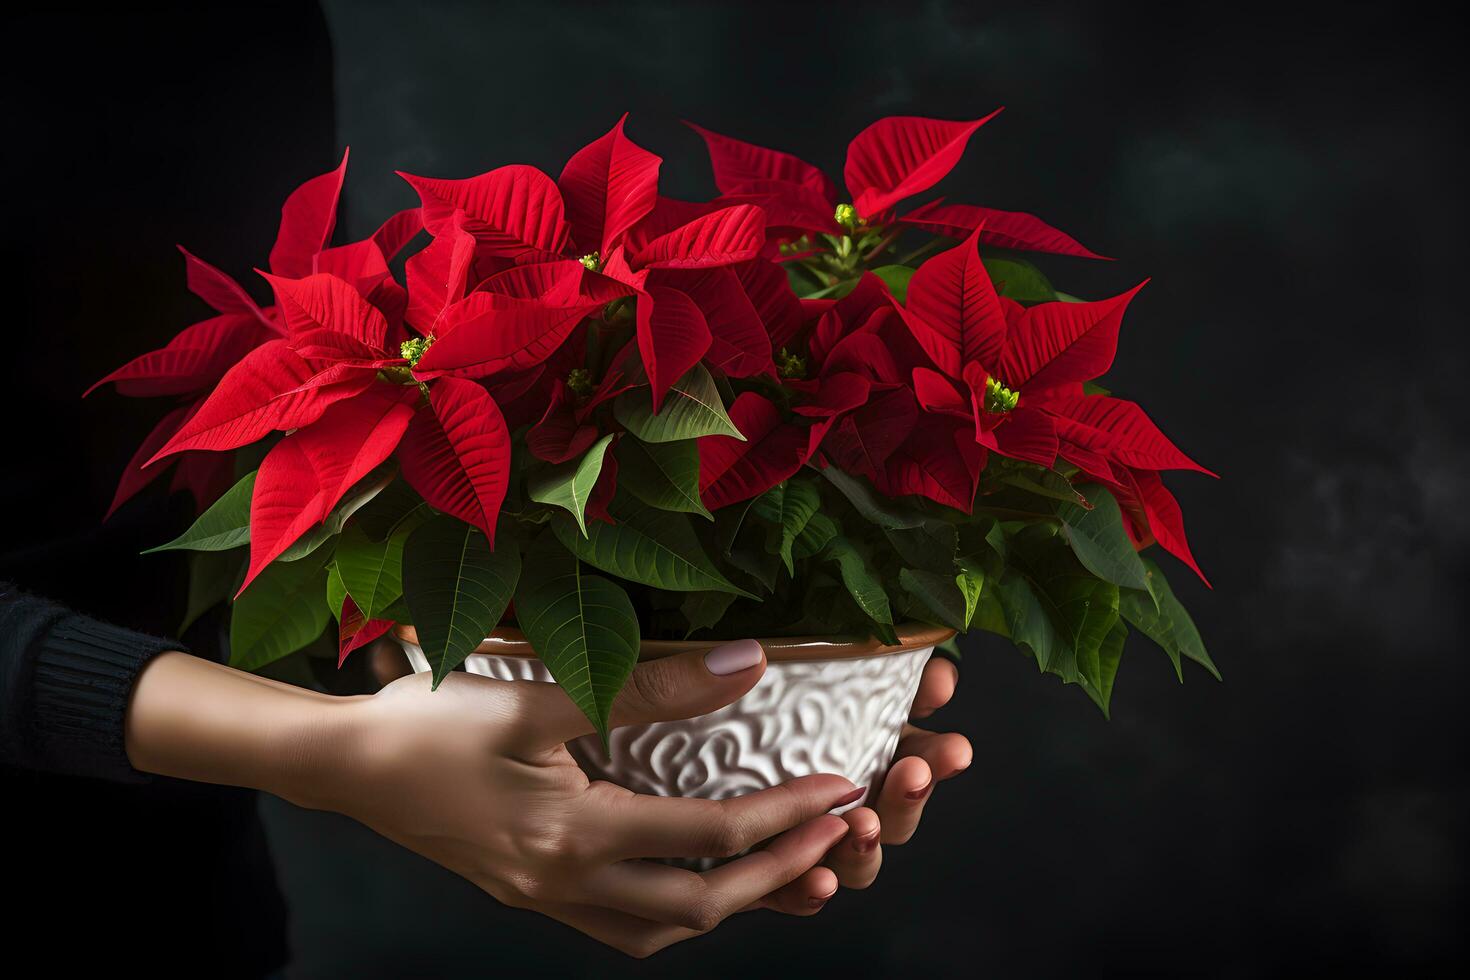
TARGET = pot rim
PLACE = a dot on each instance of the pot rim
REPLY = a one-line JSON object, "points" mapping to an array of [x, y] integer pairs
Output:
{"points": [[507, 641]]}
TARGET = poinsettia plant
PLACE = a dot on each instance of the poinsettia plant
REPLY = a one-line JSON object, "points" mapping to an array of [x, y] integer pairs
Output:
{"points": [[597, 414]]}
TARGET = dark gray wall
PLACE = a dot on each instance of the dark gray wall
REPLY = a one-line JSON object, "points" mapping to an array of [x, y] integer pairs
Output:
{"points": [[1292, 184]]}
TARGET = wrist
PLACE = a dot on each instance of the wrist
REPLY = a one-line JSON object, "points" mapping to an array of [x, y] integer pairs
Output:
{"points": [[193, 719]]}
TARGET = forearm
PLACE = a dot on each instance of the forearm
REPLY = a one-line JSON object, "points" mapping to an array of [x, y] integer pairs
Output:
{"points": [[198, 720]]}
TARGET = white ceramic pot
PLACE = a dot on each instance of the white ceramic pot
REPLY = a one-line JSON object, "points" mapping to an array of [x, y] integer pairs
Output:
{"points": [[821, 706]]}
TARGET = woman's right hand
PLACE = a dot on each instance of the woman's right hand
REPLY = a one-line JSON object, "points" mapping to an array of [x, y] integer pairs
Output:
{"points": [[476, 777]]}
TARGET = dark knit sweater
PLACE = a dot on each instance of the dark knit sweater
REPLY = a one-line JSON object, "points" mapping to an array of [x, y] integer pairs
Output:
{"points": [[65, 680]]}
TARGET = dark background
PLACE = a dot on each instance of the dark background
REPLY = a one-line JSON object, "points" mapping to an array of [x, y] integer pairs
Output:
{"points": [[1294, 185]]}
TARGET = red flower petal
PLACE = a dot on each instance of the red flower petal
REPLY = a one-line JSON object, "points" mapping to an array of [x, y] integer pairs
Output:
{"points": [[608, 186], [488, 333], [559, 436], [1027, 434], [139, 473], [739, 165], [193, 361], [438, 276], [353, 632], [672, 337], [739, 345], [307, 220], [324, 302], [1057, 343], [900, 156], [306, 473], [220, 290], [511, 210], [1120, 430], [769, 291], [953, 310], [723, 237], [1165, 519], [393, 234], [941, 462], [456, 453], [731, 471], [867, 436], [1002, 229], [269, 389]]}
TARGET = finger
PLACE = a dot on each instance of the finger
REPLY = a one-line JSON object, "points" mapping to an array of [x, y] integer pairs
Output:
{"points": [[626, 933], [858, 857], [901, 801], [680, 686], [948, 753], [702, 901], [806, 895], [936, 686], [640, 826]]}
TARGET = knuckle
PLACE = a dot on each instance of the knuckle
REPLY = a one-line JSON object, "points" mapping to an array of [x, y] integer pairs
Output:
{"points": [[702, 915], [654, 684], [725, 835]]}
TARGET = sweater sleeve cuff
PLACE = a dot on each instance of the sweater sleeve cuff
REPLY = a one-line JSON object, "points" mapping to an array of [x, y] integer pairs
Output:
{"points": [[83, 678]]}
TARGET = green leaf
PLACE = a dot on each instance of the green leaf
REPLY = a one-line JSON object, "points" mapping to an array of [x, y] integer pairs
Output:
{"points": [[704, 610], [1045, 483], [897, 277], [818, 533], [1162, 618], [931, 546], [862, 584], [371, 571], [398, 502], [569, 484], [456, 588], [225, 525], [213, 578], [940, 595], [281, 612], [1100, 541], [1019, 280], [662, 474], [650, 546], [336, 591], [1027, 622], [582, 626], [1083, 609], [971, 582], [351, 502], [1109, 654], [691, 409], [883, 512], [788, 506]]}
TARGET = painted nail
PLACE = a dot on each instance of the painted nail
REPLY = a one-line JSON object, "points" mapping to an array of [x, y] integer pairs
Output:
{"points": [[865, 843], [817, 902], [921, 792], [732, 658], [856, 794]]}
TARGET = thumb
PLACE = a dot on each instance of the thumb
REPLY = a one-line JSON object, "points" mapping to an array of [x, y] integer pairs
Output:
{"points": [[669, 688]]}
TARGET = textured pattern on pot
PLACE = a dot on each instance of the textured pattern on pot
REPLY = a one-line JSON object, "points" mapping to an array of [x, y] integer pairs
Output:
{"points": [[820, 707]]}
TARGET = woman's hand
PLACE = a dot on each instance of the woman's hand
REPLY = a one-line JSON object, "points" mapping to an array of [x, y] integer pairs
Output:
{"points": [[923, 758], [476, 777]]}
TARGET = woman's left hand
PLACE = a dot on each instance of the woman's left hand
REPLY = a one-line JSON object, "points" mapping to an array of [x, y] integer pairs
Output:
{"points": [[923, 758]]}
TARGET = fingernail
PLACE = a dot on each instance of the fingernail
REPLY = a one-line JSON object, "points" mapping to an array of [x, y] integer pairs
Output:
{"points": [[851, 797], [865, 843], [732, 658], [957, 770], [817, 902], [921, 792]]}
